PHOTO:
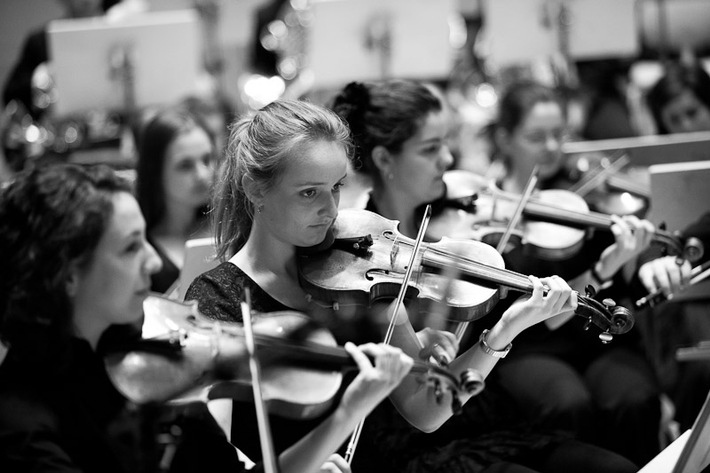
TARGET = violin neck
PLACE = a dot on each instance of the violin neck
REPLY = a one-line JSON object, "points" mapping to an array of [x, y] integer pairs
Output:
{"points": [[478, 271], [569, 218], [303, 354], [619, 183], [314, 355]]}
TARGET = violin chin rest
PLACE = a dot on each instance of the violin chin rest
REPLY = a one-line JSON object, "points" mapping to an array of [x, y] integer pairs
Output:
{"points": [[322, 246]]}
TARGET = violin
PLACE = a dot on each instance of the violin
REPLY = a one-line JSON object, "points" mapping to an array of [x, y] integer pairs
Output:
{"points": [[367, 259], [184, 357], [606, 185], [697, 274], [554, 224]]}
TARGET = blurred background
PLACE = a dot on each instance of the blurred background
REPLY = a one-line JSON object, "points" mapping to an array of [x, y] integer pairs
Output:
{"points": [[73, 83]]}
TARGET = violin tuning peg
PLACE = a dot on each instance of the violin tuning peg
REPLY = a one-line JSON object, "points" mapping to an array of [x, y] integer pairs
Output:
{"points": [[472, 381], [590, 291], [438, 392], [606, 337], [456, 406], [609, 302]]}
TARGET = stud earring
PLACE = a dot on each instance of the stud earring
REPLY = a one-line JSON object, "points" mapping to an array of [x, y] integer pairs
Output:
{"points": [[260, 208]]}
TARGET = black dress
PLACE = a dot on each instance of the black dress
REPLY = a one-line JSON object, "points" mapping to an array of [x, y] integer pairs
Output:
{"points": [[74, 420], [164, 279]]}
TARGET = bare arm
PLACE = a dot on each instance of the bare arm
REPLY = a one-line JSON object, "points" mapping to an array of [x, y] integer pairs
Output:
{"points": [[373, 384], [417, 402]]}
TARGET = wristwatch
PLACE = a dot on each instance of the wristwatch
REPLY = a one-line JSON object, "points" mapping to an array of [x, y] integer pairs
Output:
{"points": [[483, 342]]}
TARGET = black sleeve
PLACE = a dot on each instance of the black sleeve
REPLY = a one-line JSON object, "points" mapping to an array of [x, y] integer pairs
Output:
{"points": [[215, 297], [19, 82]]}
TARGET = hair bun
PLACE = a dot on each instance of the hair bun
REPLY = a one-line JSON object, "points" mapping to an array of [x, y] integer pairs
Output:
{"points": [[352, 103]]}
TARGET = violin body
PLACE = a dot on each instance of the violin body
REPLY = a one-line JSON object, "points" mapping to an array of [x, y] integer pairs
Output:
{"points": [[357, 277], [210, 361], [493, 210]]}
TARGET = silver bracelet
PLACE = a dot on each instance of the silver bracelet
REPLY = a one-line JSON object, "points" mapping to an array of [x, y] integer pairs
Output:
{"points": [[483, 343]]}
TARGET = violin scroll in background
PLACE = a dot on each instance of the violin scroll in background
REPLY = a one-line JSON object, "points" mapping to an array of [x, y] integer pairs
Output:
{"points": [[184, 356], [367, 258]]}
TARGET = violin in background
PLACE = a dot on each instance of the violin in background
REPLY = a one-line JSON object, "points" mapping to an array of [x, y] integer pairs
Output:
{"points": [[553, 226], [607, 184]]}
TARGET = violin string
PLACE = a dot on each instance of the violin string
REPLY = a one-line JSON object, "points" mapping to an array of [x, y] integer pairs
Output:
{"points": [[529, 187], [618, 160]]}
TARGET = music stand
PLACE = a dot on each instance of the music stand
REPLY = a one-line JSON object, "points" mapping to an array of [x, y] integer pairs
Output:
{"points": [[650, 149], [519, 31], [689, 453], [362, 40], [695, 456], [146, 59]]}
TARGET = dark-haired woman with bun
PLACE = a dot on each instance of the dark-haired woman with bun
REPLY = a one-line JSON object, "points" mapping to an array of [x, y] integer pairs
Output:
{"points": [[401, 129]]}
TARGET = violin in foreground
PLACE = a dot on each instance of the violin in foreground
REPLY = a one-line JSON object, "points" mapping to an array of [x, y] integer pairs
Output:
{"points": [[184, 356], [367, 257]]}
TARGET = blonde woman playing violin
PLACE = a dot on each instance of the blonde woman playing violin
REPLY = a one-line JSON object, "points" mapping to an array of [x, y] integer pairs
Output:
{"points": [[278, 190]]}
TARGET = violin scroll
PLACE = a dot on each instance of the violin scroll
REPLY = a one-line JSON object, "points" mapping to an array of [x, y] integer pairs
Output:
{"points": [[611, 318], [693, 249]]}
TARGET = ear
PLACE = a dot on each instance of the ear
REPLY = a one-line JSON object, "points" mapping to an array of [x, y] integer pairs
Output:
{"points": [[71, 285], [252, 190], [502, 140], [382, 159]]}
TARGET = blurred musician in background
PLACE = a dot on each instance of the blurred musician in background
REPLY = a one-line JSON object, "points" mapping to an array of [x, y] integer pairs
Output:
{"points": [[400, 129], [680, 100], [175, 172], [678, 324], [19, 84], [566, 380]]}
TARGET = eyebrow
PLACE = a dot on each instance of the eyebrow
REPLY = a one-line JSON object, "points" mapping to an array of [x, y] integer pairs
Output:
{"points": [[318, 183], [433, 139]]}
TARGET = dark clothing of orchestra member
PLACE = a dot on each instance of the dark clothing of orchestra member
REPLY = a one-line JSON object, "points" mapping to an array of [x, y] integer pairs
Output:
{"points": [[19, 83], [75, 420], [164, 279], [219, 293], [566, 378], [675, 324]]}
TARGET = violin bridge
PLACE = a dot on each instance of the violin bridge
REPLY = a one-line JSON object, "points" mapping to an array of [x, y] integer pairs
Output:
{"points": [[394, 253]]}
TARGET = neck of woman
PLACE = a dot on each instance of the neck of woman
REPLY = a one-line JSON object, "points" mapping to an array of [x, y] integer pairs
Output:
{"points": [[262, 253], [178, 221], [397, 206]]}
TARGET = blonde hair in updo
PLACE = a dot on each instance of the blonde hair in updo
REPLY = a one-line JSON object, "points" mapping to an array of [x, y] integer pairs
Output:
{"points": [[258, 147]]}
